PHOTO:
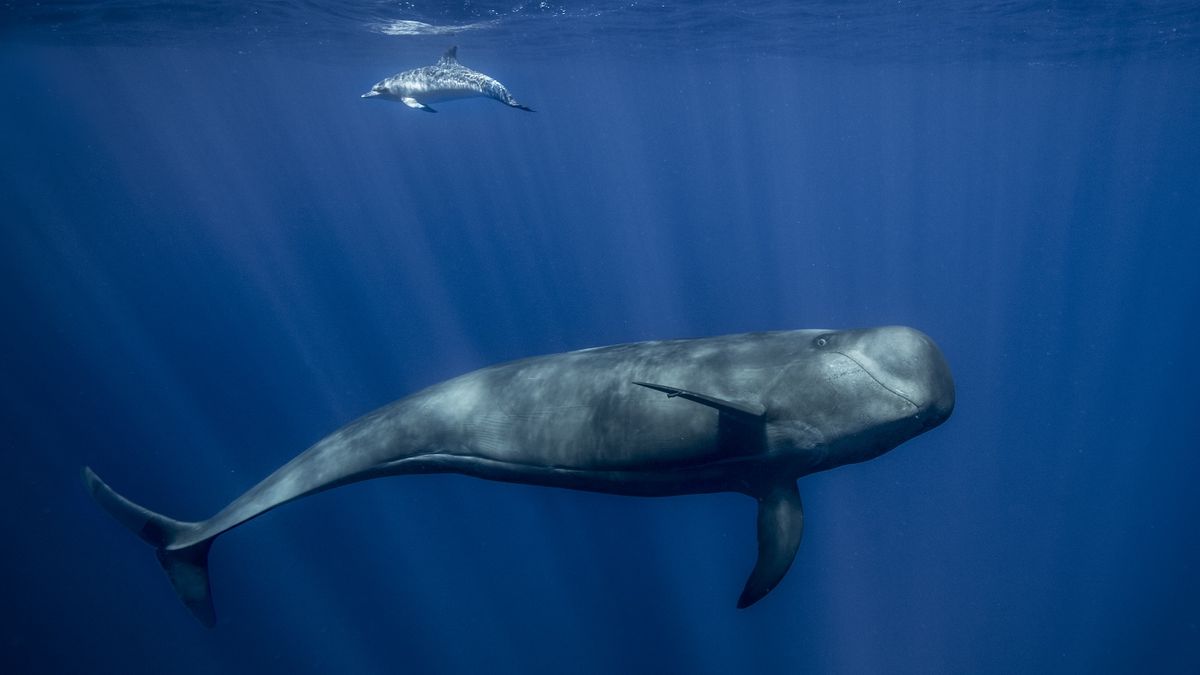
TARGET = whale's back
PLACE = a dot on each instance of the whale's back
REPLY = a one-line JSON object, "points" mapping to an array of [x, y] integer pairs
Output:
{"points": [[582, 410]]}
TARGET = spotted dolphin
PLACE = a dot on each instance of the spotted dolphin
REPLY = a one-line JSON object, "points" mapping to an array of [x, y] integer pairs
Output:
{"points": [[444, 81], [746, 413]]}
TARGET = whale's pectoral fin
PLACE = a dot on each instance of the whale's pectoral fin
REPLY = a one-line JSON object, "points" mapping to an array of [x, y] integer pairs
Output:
{"points": [[746, 412], [780, 524], [414, 103]]}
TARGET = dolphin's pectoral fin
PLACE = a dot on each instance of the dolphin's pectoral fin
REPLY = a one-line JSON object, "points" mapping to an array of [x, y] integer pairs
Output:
{"points": [[746, 412], [780, 524], [414, 103]]}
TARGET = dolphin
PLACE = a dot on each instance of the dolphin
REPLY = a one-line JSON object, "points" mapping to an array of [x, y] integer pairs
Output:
{"points": [[444, 81], [747, 413]]}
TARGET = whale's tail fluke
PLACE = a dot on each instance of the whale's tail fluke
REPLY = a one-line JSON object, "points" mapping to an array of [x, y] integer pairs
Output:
{"points": [[186, 566]]}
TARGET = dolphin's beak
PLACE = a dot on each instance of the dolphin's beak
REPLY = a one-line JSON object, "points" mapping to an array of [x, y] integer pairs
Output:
{"points": [[370, 94]]}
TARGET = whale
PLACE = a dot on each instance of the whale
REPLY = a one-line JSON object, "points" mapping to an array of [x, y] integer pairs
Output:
{"points": [[748, 413], [446, 80]]}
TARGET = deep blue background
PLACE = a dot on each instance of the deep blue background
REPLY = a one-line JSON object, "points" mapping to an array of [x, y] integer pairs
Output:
{"points": [[210, 257]]}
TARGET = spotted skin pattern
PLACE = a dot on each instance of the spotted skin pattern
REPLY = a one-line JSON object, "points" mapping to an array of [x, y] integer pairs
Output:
{"points": [[446, 80]]}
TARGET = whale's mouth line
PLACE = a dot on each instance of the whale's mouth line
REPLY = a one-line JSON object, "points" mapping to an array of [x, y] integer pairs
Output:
{"points": [[880, 383]]}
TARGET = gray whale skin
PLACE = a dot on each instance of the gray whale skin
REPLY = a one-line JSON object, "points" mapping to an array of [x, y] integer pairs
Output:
{"points": [[746, 413]]}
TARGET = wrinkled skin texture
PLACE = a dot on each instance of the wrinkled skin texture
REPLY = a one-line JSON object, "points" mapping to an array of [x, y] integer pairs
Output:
{"points": [[744, 413], [578, 420]]}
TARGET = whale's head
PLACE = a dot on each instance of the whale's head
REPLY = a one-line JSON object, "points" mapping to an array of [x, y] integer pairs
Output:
{"points": [[853, 395]]}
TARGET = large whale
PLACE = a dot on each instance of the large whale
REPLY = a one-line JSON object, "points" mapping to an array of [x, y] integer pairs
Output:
{"points": [[744, 413], [446, 80]]}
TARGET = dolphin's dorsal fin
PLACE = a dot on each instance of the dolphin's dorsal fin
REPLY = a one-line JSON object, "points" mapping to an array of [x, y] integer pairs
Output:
{"points": [[747, 412], [450, 58]]}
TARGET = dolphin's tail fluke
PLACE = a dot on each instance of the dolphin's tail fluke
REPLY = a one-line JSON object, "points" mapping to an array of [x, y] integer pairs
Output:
{"points": [[186, 566]]}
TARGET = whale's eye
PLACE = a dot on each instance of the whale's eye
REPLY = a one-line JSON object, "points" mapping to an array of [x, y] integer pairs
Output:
{"points": [[821, 341]]}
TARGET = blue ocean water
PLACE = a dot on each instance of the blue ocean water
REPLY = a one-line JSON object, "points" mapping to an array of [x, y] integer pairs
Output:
{"points": [[213, 253]]}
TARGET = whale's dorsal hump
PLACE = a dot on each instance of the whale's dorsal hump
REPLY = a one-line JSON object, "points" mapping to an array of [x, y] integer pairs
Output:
{"points": [[450, 58]]}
